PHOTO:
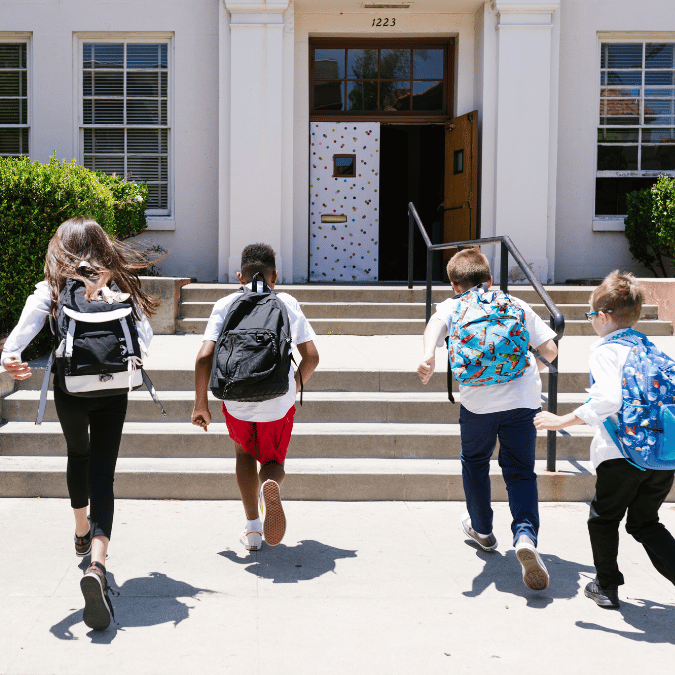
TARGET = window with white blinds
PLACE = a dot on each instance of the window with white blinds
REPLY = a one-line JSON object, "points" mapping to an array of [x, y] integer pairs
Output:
{"points": [[125, 118], [636, 130], [14, 127]]}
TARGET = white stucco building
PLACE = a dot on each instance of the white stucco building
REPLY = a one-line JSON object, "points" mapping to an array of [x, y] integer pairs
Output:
{"points": [[309, 124]]}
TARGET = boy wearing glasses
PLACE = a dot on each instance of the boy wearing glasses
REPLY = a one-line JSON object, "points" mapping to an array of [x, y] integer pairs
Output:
{"points": [[621, 486]]}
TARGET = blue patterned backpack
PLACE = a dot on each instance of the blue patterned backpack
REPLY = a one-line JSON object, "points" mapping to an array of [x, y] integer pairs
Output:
{"points": [[645, 433], [488, 338]]}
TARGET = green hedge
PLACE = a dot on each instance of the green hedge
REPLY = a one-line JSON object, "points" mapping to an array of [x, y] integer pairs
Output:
{"points": [[35, 199], [650, 226]]}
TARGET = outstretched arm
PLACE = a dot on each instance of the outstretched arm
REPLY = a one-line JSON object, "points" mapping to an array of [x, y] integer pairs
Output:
{"points": [[547, 421], [201, 416], [432, 333]]}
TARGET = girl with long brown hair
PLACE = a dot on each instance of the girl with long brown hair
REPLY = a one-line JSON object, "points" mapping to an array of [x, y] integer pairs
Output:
{"points": [[92, 427]]}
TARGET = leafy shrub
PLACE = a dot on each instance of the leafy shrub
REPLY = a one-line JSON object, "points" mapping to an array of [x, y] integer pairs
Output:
{"points": [[650, 226], [130, 200], [35, 199]]}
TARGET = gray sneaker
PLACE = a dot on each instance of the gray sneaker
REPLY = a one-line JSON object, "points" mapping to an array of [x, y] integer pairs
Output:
{"points": [[535, 574], [486, 542]]}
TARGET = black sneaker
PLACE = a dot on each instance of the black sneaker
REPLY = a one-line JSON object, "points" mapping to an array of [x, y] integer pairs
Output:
{"points": [[604, 597], [83, 545], [97, 606]]}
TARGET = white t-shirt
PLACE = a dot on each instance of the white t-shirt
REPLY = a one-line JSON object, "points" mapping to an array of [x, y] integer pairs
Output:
{"points": [[606, 363], [301, 331], [523, 392]]}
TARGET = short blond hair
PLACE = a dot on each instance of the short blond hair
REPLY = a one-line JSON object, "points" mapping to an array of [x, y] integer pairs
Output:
{"points": [[469, 268], [621, 293]]}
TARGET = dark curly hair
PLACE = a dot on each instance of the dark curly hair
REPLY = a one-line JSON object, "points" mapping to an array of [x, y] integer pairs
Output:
{"points": [[257, 258]]}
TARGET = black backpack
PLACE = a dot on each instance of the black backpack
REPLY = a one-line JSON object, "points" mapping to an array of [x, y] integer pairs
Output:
{"points": [[253, 352], [97, 350]]}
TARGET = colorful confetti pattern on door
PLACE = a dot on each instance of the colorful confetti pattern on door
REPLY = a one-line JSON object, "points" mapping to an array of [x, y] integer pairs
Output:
{"points": [[346, 251]]}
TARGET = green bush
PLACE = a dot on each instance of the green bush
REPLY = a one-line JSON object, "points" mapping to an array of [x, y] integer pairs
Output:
{"points": [[130, 200], [35, 199], [650, 226]]}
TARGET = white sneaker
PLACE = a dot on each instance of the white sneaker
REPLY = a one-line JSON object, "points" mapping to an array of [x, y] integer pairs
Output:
{"points": [[251, 540], [535, 574], [272, 512], [488, 542]]}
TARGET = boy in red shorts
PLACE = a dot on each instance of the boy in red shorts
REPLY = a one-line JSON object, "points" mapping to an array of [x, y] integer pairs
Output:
{"points": [[261, 431]]}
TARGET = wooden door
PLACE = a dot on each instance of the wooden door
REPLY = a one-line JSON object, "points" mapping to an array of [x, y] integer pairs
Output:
{"points": [[461, 180]]}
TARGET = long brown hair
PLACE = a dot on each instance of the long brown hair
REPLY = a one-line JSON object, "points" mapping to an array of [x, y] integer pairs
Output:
{"points": [[83, 239]]}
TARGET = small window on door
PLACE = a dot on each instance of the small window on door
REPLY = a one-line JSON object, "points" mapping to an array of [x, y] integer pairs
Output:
{"points": [[344, 166]]}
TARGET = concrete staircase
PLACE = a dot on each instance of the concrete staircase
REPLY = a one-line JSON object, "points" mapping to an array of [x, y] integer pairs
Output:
{"points": [[368, 430]]}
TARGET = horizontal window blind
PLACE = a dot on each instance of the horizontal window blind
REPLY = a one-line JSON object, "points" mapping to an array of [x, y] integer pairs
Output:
{"points": [[125, 114], [14, 127]]}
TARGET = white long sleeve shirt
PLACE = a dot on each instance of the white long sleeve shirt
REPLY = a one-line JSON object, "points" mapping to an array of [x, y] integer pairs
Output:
{"points": [[606, 364], [33, 317]]}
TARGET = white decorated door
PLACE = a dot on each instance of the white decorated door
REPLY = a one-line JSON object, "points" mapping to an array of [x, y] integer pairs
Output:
{"points": [[344, 201]]}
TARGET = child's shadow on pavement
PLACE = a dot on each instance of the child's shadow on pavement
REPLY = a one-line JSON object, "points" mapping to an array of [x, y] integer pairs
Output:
{"points": [[309, 559], [143, 601], [505, 572], [653, 620]]}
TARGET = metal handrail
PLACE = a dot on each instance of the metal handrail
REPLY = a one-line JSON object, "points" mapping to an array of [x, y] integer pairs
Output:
{"points": [[557, 320]]}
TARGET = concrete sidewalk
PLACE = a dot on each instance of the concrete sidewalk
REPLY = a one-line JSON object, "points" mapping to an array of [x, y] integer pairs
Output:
{"points": [[354, 588]]}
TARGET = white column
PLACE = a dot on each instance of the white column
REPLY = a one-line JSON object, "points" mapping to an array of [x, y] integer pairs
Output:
{"points": [[255, 129], [526, 102]]}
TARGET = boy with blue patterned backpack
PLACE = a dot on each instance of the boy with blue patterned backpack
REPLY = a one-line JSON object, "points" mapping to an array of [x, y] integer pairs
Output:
{"points": [[489, 333], [632, 404]]}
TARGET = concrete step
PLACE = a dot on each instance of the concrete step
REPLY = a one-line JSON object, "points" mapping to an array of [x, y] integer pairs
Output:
{"points": [[382, 310], [182, 379], [381, 293], [307, 479], [318, 406], [390, 326], [310, 439]]}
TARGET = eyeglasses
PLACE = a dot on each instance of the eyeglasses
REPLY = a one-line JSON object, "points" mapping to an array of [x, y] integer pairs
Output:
{"points": [[590, 315]]}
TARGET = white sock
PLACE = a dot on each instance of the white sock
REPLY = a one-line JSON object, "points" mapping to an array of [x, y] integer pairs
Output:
{"points": [[254, 525]]}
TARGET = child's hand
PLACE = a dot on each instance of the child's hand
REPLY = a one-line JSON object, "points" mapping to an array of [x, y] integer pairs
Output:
{"points": [[426, 369], [547, 421], [201, 418], [16, 369]]}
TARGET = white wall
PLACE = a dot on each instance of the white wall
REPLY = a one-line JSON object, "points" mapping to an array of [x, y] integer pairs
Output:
{"points": [[581, 252], [193, 25], [453, 18]]}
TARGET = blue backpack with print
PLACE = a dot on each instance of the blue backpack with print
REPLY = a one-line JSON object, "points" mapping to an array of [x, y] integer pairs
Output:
{"points": [[645, 433], [488, 339]]}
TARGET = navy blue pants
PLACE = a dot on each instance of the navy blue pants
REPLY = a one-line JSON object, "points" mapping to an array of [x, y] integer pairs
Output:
{"points": [[93, 431], [622, 488], [517, 439]]}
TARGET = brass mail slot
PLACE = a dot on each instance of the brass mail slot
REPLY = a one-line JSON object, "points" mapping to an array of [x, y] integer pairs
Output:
{"points": [[333, 218]]}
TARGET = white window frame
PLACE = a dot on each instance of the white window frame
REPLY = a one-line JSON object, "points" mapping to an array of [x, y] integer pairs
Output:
{"points": [[23, 38], [615, 223], [158, 219]]}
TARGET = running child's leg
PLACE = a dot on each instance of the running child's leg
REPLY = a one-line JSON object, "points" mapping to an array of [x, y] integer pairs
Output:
{"points": [[643, 522], [272, 471], [247, 480]]}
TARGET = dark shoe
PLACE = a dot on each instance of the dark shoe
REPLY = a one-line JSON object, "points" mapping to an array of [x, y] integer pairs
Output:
{"points": [[97, 606], [604, 597], [83, 545]]}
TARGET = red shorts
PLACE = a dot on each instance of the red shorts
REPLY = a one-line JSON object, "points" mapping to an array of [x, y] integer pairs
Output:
{"points": [[266, 441]]}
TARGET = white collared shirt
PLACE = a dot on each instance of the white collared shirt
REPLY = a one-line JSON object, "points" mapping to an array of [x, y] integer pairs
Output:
{"points": [[606, 364]]}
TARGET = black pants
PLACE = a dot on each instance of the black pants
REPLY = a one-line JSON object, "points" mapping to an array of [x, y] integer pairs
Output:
{"points": [[93, 431], [621, 487]]}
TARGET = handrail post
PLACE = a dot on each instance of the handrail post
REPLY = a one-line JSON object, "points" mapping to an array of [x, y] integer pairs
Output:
{"points": [[411, 244], [430, 256], [504, 269], [551, 437]]}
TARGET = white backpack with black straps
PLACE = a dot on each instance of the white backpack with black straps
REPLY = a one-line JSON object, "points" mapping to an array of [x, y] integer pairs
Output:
{"points": [[97, 350]]}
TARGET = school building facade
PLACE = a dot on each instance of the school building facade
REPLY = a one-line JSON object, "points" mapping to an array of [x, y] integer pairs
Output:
{"points": [[310, 124]]}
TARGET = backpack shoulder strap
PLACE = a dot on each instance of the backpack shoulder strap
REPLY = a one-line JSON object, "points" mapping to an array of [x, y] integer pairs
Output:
{"points": [[43, 390]]}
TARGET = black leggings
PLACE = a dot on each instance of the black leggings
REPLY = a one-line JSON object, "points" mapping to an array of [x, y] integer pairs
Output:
{"points": [[93, 431]]}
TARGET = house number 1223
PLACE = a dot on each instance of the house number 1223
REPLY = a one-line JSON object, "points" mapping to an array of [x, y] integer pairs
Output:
{"points": [[383, 22]]}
